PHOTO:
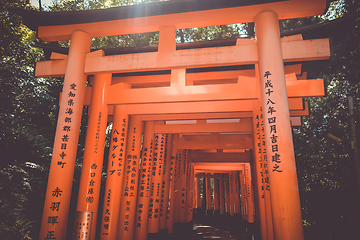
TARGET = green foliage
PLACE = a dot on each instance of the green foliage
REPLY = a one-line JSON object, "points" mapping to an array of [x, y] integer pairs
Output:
{"points": [[28, 109], [76, 5], [130, 40], [327, 179], [211, 33], [13, 188]]}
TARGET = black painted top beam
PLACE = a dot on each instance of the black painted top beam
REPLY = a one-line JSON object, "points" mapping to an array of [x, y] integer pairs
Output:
{"points": [[34, 19]]}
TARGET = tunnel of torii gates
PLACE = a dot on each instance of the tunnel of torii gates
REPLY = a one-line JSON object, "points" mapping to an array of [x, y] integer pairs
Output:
{"points": [[170, 130]]}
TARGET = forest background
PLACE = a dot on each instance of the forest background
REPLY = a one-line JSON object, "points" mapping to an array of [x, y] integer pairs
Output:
{"points": [[29, 108]]}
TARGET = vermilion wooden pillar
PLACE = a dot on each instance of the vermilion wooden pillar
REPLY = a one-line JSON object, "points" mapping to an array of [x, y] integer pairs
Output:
{"points": [[285, 200], [91, 170], [114, 176], [184, 167], [177, 191], [166, 180], [142, 213], [156, 179], [193, 196], [208, 194], [266, 185], [237, 193], [131, 179], [216, 194], [227, 192], [58, 192], [259, 169], [198, 191], [170, 208], [115, 173], [243, 196], [232, 193], [249, 193], [189, 193], [222, 194]]}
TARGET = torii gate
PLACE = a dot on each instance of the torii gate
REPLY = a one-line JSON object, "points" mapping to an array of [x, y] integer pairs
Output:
{"points": [[262, 98]]}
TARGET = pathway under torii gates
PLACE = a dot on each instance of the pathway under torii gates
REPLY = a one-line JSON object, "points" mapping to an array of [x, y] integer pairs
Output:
{"points": [[178, 115]]}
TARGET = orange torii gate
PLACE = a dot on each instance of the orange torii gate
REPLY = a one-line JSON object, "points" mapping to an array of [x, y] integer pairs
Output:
{"points": [[261, 99]]}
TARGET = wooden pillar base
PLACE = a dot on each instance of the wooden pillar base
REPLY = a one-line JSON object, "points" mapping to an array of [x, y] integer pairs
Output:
{"points": [[164, 235], [221, 220], [169, 236], [199, 214], [216, 218], [154, 236], [216, 213], [209, 212], [238, 216], [226, 220], [183, 230], [209, 216], [161, 235], [250, 229]]}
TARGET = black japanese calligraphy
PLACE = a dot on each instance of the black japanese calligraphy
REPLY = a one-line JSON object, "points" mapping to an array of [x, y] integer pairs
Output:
{"points": [[57, 192]]}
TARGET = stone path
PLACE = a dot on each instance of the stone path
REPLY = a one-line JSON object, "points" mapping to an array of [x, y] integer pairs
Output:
{"points": [[202, 231]]}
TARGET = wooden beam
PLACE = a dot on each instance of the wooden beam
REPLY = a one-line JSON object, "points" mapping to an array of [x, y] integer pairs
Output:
{"points": [[217, 137], [219, 167], [140, 24], [305, 50], [202, 57], [219, 157], [190, 107], [296, 103], [216, 160], [161, 111], [317, 89], [299, 113], [196, 116], [245, 125], [308, 50], [56, 68], [196, 110], [51, 68], [306, 88], [215, 145], [295, 121], [245, 143], [244, 89], [205, 173], [203, 78]]}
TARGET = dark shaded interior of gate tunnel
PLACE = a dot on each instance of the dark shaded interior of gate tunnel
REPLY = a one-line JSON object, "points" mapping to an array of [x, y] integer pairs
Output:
{"points": [[205, 224], [209, 224]]}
